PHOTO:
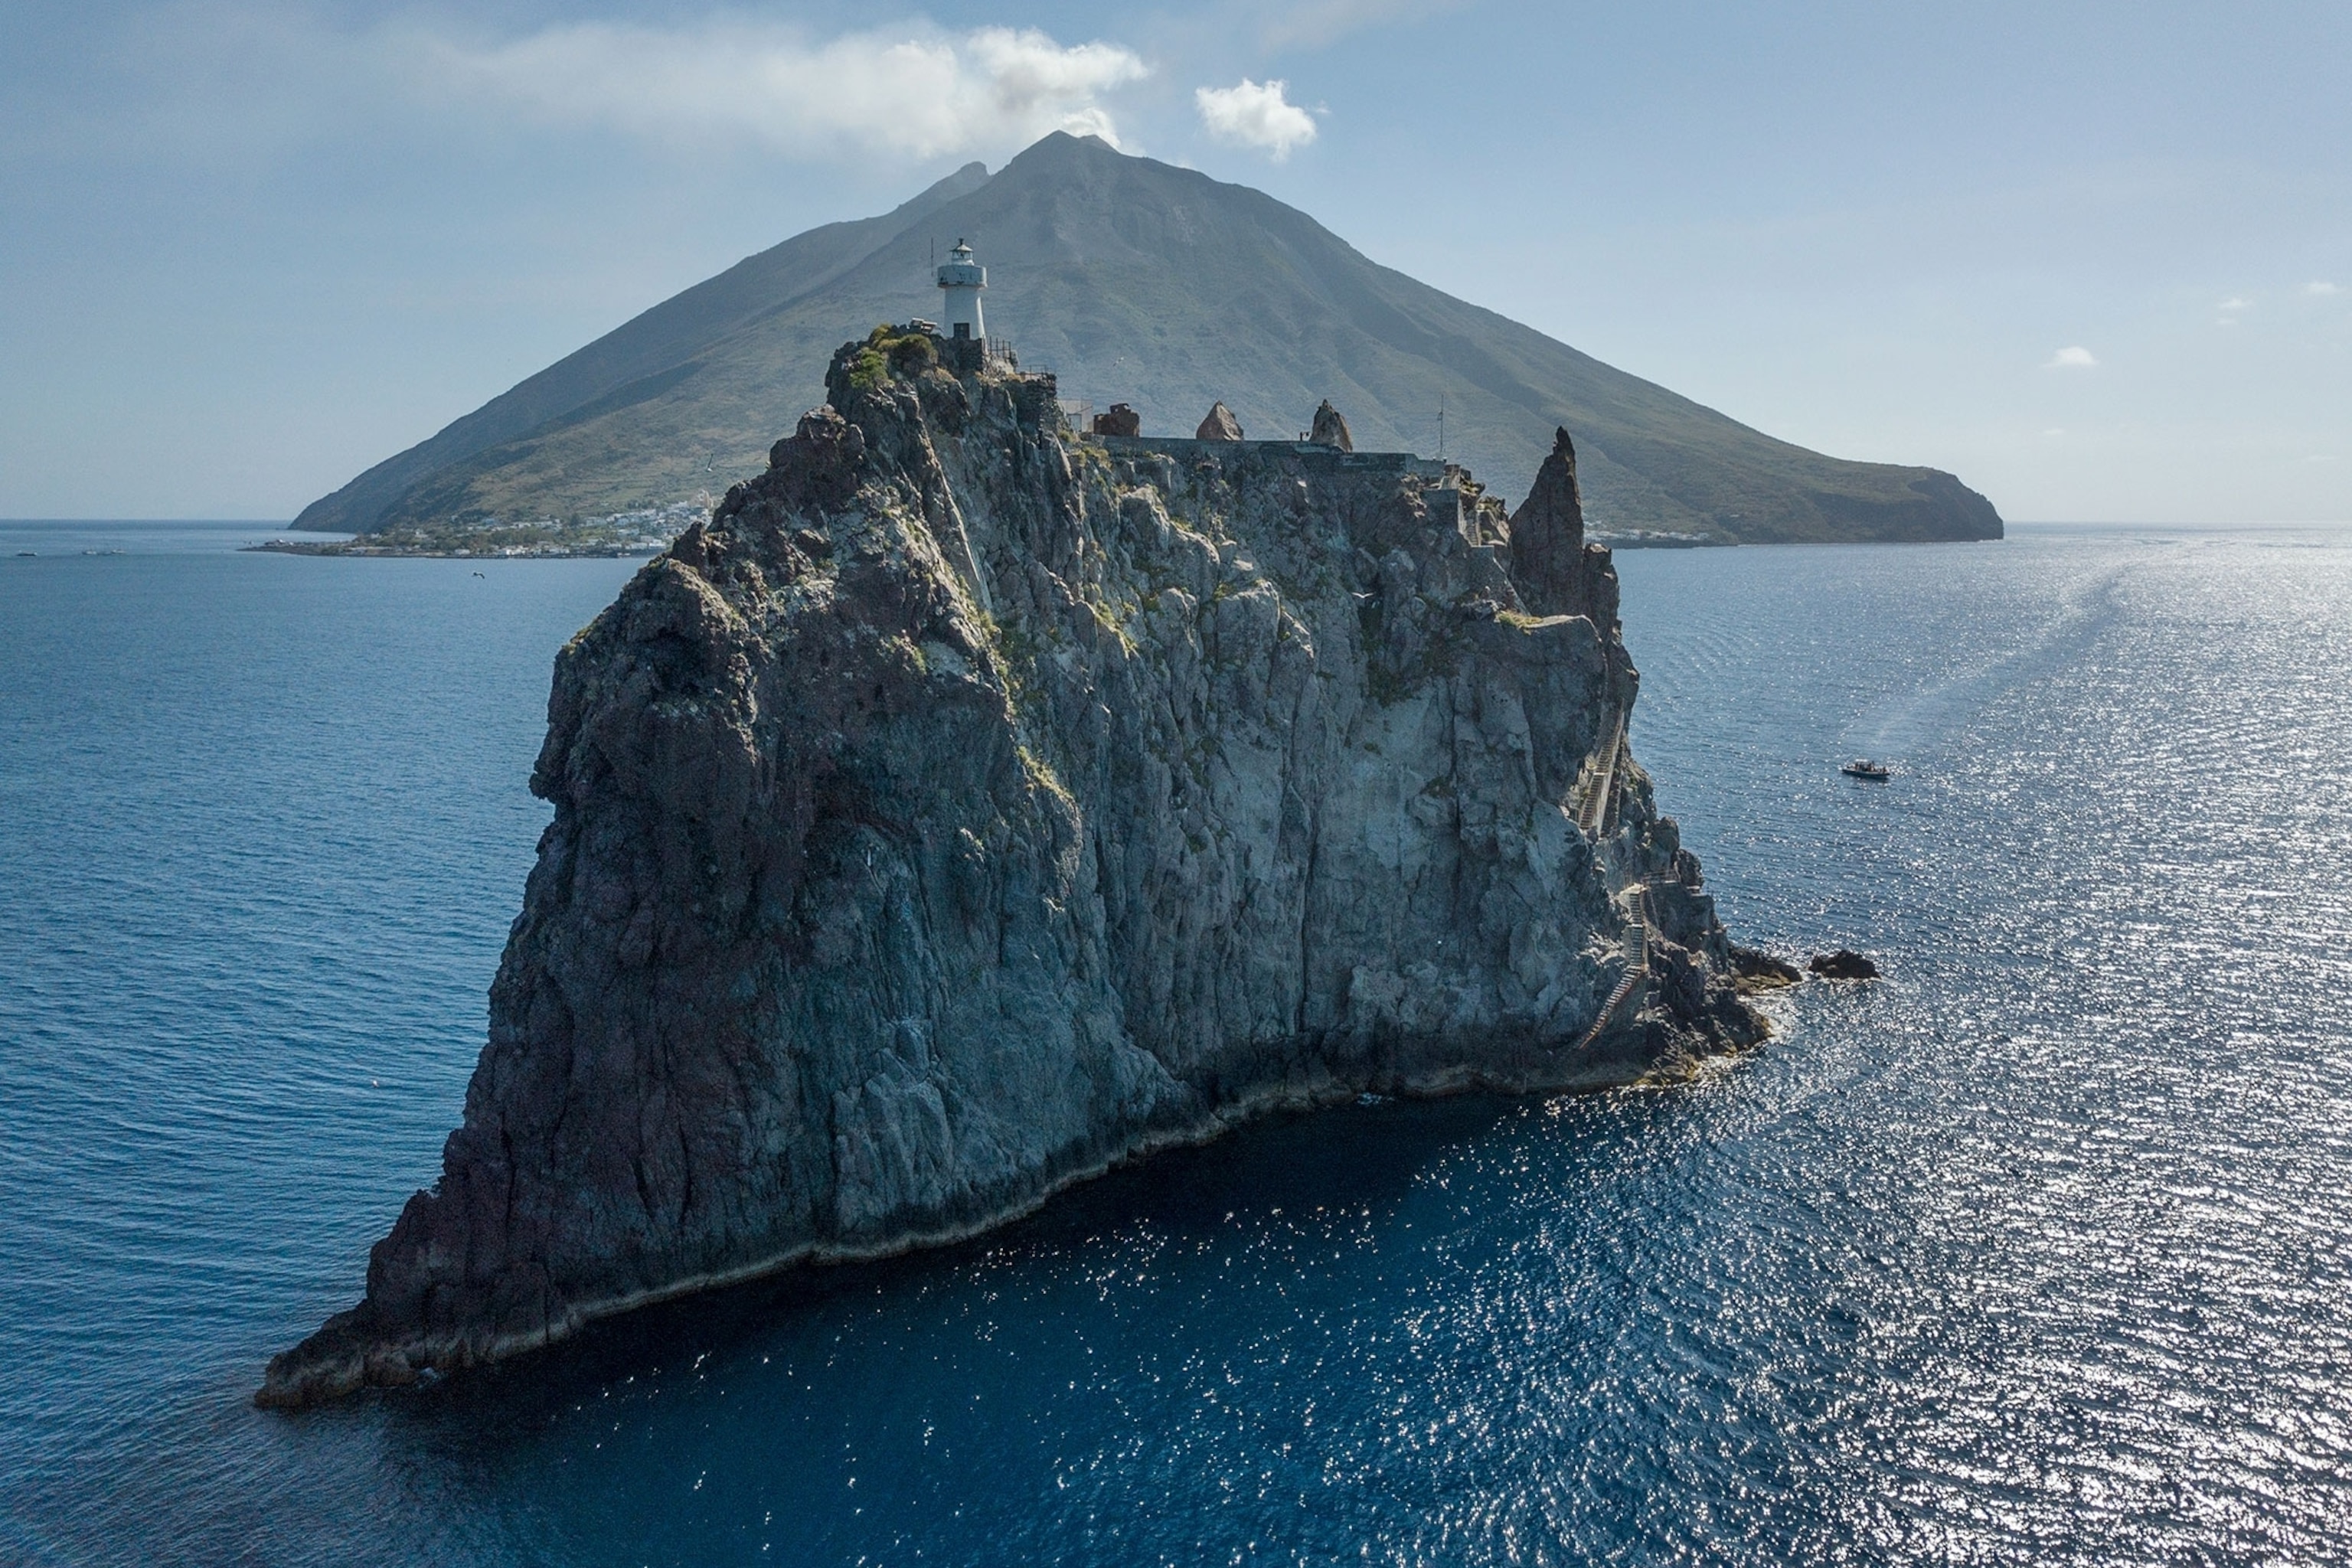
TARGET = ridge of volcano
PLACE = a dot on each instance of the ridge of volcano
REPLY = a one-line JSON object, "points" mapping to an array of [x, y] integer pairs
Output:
{"points": [[1137, 282]]}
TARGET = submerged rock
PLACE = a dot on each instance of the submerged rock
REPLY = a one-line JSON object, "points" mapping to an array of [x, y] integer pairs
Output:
{"points": [[968, 805]]}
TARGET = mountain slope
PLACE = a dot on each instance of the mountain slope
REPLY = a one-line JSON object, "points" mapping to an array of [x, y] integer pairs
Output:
{"points": [[1154, 285], [636, 354]]}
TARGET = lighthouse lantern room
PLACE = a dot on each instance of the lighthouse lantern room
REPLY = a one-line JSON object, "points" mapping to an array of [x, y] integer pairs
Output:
{"points": [[961, 279]]}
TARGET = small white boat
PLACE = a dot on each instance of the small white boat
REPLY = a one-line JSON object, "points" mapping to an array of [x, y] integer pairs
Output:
{"points": [[1863, 768]]}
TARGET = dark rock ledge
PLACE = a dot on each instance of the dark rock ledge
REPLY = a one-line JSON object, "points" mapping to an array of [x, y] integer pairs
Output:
{"points": [[1843, 964], [969, 806]]}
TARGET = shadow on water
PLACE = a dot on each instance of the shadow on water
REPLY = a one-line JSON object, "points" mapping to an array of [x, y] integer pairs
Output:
{"points": [[1363, 1158]]}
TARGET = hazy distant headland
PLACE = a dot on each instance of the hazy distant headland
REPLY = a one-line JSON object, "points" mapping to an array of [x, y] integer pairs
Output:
{"points": [[1134, 282]]}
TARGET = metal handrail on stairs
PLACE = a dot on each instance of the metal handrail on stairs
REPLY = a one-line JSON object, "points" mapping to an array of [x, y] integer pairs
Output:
{"points": [[1595, 787], [1637, 963]]}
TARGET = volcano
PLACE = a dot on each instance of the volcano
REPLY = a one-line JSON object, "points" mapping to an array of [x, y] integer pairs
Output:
{"points": [[1136, 282]]}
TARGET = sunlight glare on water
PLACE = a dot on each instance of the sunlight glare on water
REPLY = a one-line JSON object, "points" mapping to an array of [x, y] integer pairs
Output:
{"points": [[2038, 1250]]}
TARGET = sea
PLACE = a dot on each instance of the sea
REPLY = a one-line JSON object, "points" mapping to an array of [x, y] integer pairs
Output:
{"points": [[2038, 1249]]}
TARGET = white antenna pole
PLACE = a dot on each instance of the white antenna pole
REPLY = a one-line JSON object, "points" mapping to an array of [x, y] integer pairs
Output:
{"points": [[1441, 425]]}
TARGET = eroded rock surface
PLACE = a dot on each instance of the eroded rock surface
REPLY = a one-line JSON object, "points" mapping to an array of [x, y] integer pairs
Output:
{"points": [[968, 804], [1219, 426], [1330, 428]]}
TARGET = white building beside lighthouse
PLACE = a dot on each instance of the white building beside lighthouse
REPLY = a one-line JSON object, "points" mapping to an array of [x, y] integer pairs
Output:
{"points": [[961, 280]]}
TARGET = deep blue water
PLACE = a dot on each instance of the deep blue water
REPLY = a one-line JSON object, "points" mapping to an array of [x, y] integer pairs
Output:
{"points": [[2039, 1250]]}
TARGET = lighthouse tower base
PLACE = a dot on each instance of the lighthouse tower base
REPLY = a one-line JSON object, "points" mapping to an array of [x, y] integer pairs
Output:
{"points": [[967, 356]]}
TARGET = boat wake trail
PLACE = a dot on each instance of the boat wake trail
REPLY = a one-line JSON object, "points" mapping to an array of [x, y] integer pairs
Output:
{"points": [[1917, 723]]}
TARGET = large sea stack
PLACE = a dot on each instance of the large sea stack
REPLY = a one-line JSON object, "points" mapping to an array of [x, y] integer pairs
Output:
{"points": [[970, 805]]}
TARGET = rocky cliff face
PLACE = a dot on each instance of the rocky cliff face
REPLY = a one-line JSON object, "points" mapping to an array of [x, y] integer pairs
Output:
{"points": [[969, 805]]}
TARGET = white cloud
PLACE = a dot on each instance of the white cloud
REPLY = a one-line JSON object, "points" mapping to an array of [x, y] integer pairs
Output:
{"points": [[919, 93], [2075, 357], [1255, 114], [2233, 303], [2319, 288]]}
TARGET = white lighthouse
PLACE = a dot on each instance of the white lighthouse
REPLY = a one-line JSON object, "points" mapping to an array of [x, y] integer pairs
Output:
{"points": [[961, 280]]}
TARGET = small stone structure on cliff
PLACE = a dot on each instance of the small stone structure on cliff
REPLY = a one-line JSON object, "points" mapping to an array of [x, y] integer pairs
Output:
{"points": [[969, 805], [1331, 429], [1220, 424]]}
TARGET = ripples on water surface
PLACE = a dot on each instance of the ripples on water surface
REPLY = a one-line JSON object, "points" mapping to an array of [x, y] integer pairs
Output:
{"points": [[2039, 1250]]}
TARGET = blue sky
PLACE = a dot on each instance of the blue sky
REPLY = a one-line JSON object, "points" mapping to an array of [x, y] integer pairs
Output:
{"points": [[2094, 258]]}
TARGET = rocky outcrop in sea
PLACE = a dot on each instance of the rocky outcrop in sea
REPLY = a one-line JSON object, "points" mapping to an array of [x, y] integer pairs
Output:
{"points": [[969, 805]]}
